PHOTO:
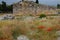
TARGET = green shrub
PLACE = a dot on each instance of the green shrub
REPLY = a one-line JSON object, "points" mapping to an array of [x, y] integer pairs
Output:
{"points": [[1, 34], [42, 15], [16, 33]]}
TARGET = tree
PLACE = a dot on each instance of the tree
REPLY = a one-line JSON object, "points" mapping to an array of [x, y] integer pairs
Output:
{"points": [[58, 5], [4, 7], [10, 8], [0, 7], [37, 1], [22, 0]]}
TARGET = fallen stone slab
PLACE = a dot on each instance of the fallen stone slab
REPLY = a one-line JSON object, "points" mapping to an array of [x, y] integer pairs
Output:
{"points": [[22, 37]]}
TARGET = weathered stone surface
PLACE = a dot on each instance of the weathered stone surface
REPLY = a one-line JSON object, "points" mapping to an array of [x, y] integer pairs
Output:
{"points": [[22, 37], [32, 8], [7, 16]]}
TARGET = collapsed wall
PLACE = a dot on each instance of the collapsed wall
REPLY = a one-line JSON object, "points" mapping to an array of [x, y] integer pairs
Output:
{"points": [[30, 7]]}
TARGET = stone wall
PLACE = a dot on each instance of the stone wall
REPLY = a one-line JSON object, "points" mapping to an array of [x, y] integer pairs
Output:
{"points": [[30, 7]]}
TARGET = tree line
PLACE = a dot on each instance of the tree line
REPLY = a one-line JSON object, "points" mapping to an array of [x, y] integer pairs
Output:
{"points": [[5, 7]]}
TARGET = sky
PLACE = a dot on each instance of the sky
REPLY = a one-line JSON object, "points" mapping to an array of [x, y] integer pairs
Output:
{"points": [[47, 2]]}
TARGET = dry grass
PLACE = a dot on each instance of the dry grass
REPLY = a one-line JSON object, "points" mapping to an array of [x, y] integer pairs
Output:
{"points": [[11, 29]]}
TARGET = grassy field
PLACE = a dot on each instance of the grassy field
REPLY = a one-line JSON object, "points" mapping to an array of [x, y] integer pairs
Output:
{"points": [[35, 29]]}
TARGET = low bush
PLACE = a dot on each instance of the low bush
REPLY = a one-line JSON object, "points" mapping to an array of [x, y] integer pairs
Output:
{"points": [[42, 15]]}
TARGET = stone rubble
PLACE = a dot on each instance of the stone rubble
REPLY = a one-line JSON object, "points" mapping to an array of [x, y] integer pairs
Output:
{"points": [[7, 16], [22, 37]]}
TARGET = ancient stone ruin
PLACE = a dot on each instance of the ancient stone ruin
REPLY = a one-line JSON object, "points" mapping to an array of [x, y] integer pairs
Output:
{"points": [[30, 7]]}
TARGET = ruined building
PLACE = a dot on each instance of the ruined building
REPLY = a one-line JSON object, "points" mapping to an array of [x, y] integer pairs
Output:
{"points": [[30, 7]]}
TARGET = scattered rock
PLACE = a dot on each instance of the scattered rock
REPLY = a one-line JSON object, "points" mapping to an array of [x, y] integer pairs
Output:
{"points": [[7, 16], [1, 18], [22, 37], [58, 32], [58, 35]]}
